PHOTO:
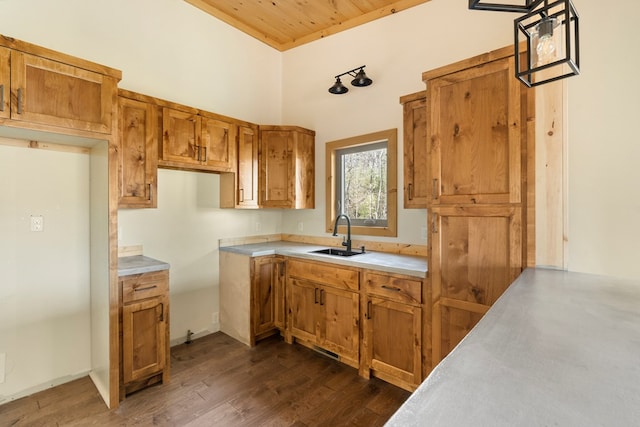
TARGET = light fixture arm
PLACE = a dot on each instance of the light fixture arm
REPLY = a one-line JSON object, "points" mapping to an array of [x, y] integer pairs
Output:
{"points": [[528, 6], [352, 73]]}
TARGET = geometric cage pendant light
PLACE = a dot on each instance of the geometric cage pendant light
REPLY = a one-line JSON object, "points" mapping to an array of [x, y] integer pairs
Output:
{"points": [[360, 79], [549, 31], [551, 35]]}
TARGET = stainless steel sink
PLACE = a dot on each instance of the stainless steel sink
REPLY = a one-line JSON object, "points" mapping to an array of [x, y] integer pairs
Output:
{"points": [[336, 252]]}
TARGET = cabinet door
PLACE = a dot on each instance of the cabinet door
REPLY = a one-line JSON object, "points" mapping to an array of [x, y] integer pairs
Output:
{"points": [[416, 182], [338, 322], [143, 338], [5, 82], [53, 93], [138, 154], [277, 174], [303, 164], [393, 341], [218, 144], [279, 317], [476, 252], [265, 293], [302, 298], [474, 136], [180, 139], [452, 321], [247, 167]]}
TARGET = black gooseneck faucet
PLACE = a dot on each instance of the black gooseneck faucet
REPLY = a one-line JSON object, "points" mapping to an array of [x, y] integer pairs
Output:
{"points": [[347, 243]]}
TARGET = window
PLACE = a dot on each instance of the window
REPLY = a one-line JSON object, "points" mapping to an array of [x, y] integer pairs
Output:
{"points": [[361, 183]]}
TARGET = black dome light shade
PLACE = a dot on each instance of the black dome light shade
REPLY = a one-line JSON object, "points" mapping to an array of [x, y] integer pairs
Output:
{"points": [[361, 79], [338, 88]]}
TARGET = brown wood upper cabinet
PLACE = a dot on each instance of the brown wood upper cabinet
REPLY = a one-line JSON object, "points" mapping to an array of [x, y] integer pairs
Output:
{"points": [[240, 189], [39, 90], [287, 167], [474, 134], [198, 141], [138, 154], [415, 150]]}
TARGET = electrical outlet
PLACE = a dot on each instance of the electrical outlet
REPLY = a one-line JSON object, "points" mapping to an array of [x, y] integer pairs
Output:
{"points": [[424, 232], [37, 223], [215, 317], [3, 360], [258, 226], [300, 226]]}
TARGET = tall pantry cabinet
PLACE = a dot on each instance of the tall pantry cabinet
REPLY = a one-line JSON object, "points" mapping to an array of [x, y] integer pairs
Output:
{"points": [[479, 145]]}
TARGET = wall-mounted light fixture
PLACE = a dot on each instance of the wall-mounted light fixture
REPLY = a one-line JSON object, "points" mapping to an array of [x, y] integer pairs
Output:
{"points": [[359, 79], [549, 30]]}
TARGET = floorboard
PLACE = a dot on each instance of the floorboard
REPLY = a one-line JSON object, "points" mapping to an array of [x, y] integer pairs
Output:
{"points": [[217, 381]]}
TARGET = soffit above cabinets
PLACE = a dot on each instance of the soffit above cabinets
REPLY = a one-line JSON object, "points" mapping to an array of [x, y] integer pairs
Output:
{"points": [[285, 24]]}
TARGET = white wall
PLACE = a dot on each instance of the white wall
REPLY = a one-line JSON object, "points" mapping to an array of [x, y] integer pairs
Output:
{"points": [[99, 267], [396, 50], [604, 148], [44, 276], [184, 231]]}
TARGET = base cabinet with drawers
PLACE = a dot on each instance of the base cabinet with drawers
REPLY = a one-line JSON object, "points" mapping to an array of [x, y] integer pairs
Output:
{"points": [[144, 308], [375, 321], [392, 328], [323, 307]]}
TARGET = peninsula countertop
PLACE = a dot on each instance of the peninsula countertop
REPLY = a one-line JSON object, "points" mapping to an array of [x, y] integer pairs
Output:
{"points": [[557, 348], [137, 264], [392, 263]]}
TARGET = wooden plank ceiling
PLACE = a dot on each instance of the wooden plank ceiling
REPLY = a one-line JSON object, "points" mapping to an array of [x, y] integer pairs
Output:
{"points": [[285, 24]]}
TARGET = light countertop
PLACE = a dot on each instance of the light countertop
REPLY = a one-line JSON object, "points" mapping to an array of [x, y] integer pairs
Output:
{"points": [[392, 263], [557, 349], [138, 264]]}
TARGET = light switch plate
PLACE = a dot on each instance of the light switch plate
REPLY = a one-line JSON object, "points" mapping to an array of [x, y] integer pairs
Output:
{"points": [[37, 223]]}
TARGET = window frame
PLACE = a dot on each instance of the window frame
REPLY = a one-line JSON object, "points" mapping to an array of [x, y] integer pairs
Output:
{"points": [[391, 229]]}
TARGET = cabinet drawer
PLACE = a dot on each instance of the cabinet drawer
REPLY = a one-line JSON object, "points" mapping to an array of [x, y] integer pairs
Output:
{"points": [[394, 288], [145, 285], [327, 274]]}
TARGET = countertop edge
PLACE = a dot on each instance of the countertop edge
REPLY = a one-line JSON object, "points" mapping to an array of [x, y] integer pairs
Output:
{"points": [[139, 264], [379, 261]]}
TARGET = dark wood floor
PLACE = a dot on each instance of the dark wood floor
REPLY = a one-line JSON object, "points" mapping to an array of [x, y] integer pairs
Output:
{"points": [[216, 381]]}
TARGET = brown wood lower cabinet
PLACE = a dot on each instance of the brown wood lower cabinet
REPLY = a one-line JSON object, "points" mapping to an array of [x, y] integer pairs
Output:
{"points": [[476, 253], [377, 322], [144, 305], [452, 321], [323, 303], [267, 297], [392, 330]]}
